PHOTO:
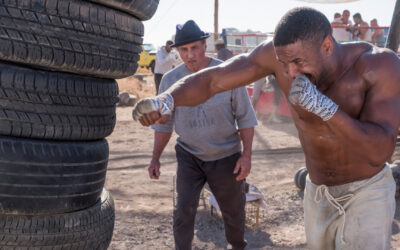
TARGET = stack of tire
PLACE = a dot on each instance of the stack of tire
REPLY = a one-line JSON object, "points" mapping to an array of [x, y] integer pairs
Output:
{"points": [[58, 59]]}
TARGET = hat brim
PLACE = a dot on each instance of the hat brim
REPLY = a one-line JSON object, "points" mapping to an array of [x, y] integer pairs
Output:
{"points": [[205, 36]]}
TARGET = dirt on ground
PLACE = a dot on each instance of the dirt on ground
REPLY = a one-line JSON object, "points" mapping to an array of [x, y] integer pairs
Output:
{"points": [[144, 207]]}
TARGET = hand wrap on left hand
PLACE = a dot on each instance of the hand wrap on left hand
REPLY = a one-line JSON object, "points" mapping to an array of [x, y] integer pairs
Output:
{"points": [[306, 95]]}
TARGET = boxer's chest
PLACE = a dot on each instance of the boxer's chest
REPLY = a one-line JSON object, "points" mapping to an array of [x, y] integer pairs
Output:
{"points": [[349, 93]]}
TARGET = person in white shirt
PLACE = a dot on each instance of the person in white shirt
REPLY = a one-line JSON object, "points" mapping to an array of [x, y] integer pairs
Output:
{"points": [[346, 22], [166, 59], [345, 17], [339, 29]]}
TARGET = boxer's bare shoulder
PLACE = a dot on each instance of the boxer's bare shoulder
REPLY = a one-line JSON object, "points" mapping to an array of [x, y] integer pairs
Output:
{"points": [[376, 63], [379, 70]]}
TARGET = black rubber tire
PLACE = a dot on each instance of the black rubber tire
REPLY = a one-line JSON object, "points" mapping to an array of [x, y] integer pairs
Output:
{"points": [[70, 35], [142, 9], [87, 229], [300, 178], [57, 106], [39, 176]]}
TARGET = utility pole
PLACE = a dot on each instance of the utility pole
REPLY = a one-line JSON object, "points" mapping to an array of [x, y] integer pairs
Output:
{"points": [[215, 19], [394, 33]]}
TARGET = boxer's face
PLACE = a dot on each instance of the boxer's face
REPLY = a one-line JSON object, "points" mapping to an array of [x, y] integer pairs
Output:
{"points": [[305, 58]]}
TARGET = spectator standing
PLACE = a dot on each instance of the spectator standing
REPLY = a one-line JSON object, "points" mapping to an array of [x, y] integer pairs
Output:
{"points": [[346, 23], [223, 53], [377, 36], [361, 29], [338, 29], [166, 59], [346, 18], [209, 145]]}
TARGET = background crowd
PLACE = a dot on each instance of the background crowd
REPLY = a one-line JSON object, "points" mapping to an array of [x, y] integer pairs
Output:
{"points": [[344, 30]]}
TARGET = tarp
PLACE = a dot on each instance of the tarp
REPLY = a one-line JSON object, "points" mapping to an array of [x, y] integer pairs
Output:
{"points": [[328, 1]]}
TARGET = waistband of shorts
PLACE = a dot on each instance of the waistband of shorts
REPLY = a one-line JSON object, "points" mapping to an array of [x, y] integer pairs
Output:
{"points": [[385, 172]]}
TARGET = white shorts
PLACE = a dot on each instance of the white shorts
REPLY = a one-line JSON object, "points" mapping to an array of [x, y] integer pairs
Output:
{"points": [[356, 215]]}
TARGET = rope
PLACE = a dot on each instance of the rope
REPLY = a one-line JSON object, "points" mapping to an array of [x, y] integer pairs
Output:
{"points": [[323, 191]]}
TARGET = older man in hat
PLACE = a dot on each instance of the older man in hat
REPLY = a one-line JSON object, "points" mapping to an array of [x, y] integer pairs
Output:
{"points": [[209, 146]]}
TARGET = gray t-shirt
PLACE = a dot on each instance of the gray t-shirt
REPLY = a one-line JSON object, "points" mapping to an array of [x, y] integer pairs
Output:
{"points": [[210, 130]]}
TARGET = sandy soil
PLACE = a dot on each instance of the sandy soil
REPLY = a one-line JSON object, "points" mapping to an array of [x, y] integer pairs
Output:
{"points": [[144, 207]]}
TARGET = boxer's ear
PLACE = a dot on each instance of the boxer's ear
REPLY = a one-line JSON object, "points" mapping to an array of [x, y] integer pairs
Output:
{"points": [[327, 45]]}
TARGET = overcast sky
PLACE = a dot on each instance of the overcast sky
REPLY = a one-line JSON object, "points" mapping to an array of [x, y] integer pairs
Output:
{"points": [[257, 15]]}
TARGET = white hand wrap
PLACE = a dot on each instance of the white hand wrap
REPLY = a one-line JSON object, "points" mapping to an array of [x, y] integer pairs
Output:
{"points": [[306, 95], [163, 103]]}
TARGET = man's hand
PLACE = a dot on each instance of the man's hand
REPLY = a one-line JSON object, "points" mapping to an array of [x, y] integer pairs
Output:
{"points": [[153, 117], [244, 165], [148, 110], [306, 95], [154, 169]]}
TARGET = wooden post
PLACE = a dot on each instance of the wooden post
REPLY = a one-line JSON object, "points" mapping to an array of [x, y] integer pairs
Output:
{"points": [[394, 33], [215, 19]]}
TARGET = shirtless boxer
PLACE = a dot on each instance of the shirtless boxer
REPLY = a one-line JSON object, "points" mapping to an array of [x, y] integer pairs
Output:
{"points": [[345, 103]]}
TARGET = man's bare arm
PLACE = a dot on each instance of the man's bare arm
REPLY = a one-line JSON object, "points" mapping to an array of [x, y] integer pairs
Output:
{"points": [[246, 135], [236, 72], [161, 140], [373, 136], [197, 88], [244, 162]]}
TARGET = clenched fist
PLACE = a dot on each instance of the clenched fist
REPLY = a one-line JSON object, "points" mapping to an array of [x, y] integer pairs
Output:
{"points": [[148, 110], [306, 95]]}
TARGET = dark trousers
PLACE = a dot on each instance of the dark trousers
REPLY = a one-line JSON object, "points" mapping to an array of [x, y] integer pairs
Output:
{"points": [[192, 173], [157, 81]]}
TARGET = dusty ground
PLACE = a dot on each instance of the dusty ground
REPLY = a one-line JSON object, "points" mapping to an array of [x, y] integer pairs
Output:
{"points": [[144, 207]]}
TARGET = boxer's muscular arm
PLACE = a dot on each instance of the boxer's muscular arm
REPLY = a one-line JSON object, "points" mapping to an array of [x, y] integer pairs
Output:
{"points": [[198, 87], [373, 136], [238, 71]]}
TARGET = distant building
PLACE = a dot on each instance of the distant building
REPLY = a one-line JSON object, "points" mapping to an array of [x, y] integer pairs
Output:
{"points": [[237, 41], [243, 41]]}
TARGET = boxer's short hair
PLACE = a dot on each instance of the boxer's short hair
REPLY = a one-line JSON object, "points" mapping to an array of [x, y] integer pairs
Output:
{"points": [[304, 24]]}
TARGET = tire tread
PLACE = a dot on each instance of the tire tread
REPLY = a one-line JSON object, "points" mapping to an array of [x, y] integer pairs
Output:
{"points": [[90, 228], [54, 105], [39, 176], [67, 38], [142, 9]]}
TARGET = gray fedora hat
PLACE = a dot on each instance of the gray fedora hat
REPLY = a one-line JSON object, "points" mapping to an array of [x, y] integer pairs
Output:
{"points": [[188, 33]]}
